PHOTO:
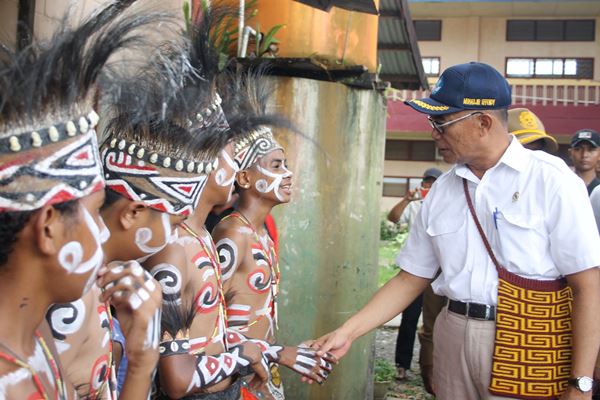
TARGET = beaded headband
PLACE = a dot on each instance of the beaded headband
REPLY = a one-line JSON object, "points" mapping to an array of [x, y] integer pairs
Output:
{"points": [[252, 147], [211, 116], [50, 165], [162, 183]]}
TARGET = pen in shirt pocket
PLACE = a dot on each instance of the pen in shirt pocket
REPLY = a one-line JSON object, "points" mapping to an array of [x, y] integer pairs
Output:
{"points": [[495, 215]]}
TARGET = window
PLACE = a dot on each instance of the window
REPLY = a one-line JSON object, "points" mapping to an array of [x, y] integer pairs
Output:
{"points": [[409, 150], [397, 186], [431, 66], [576, 68], [428, 29], [551, 30]]}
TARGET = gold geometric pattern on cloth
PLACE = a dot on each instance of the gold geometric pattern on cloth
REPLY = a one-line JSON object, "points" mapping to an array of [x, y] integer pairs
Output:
{"points": [[532, 350]]}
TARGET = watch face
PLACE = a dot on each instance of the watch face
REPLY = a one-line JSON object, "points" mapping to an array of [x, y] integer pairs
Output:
{"points": [[585, 383]]}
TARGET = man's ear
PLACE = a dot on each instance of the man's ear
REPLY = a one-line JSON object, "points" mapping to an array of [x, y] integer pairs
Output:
{"points": [[243, 179], [131, 213], [48, 230], [486, 121]]}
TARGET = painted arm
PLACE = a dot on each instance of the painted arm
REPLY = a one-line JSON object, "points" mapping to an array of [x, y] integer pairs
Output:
{"points": [[586, 327], [182, 373], [387, 302], [300, 359]]}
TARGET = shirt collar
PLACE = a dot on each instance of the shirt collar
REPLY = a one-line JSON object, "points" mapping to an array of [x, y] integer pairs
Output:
{"points": [[515, 156]]}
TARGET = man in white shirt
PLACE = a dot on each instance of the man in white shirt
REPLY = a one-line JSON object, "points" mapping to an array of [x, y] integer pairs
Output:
{"points": [[525, 203]]}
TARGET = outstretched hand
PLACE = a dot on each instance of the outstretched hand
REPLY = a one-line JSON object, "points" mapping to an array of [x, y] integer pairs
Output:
{"points": [[337, 343], [306, 362]]}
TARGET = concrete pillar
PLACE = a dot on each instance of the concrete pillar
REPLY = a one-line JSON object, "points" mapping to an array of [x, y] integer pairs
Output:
{"points": [[330, 232]]}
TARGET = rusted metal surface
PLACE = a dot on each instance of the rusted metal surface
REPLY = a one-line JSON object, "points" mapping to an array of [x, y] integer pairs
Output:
{"points": [[330, 231], [335, 37]]}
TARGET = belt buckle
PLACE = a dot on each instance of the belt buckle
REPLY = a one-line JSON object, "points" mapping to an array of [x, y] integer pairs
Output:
{"points": [[486, 316]]}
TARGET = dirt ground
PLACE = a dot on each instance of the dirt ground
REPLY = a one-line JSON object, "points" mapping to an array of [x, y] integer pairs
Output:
{"points": [[412, 386]]}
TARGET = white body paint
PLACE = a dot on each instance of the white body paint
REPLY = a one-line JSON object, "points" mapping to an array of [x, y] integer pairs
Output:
{"points": [[207, 274], [263, 186], [221, 174], [170, 283], [144, 235], [37, 361], [58, 318], [70, 256]]}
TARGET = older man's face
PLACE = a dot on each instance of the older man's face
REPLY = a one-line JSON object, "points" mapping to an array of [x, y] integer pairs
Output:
{"points": [[458, 141]]}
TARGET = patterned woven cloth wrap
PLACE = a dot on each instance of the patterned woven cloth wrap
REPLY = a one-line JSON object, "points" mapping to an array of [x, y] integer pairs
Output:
{"points": [[532, 350], [532, 347]]}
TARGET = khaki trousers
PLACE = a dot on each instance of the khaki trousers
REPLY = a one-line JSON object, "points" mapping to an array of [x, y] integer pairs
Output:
{"points": [[462, 357]]}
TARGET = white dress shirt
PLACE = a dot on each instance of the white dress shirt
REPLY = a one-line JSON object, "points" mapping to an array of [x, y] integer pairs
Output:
{"points": [[595, 199], [410, 213], [534, 210]]}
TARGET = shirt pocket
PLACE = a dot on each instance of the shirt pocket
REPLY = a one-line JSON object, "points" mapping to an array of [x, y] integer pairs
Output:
{"points": [[448, 236], [522, 238]]}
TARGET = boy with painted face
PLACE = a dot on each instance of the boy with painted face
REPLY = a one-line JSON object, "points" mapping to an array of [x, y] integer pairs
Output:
{"points": [[249, 264], [51, 190], [196, 359]]}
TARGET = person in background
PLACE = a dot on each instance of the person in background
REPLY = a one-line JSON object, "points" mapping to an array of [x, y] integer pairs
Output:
{"points": [[585, 155], [404, 213], [529, 130]]}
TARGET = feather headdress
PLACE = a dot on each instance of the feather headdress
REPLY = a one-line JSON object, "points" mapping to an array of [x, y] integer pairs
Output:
{"points": [[247, 112], [167, 126], [48, 148]]}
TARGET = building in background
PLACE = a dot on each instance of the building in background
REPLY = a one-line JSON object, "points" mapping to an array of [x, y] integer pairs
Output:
{"points": [[20, 18], [549, 50]]}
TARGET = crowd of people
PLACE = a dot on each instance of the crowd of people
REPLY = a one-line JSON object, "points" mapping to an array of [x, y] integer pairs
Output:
{"points": [[112, 285], [120, 136]]}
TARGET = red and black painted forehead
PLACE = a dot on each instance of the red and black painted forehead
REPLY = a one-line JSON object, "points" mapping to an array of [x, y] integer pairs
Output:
{"points": [[35, 179], [164, 184]]}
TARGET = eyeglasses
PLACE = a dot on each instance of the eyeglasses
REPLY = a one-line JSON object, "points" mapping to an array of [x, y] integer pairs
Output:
{"points": [[440, 127]]}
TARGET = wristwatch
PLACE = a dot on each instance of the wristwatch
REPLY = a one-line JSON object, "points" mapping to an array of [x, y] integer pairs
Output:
{"points": [[582, 383]]}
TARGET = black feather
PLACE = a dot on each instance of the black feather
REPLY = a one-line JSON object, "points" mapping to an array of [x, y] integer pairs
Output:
{"points": [[246, 101], [157, 110], [177, 317], [47, 83]]}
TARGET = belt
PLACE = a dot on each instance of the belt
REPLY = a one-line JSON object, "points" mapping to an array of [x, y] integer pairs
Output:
{"points": [[473, 310]]}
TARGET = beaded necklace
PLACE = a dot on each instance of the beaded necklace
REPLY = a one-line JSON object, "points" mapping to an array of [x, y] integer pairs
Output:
{"points": [[273, 263], [14, 359], [212, 256]]}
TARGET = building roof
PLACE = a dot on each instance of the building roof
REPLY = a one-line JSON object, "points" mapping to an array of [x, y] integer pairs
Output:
{"points": [[397, 46]]}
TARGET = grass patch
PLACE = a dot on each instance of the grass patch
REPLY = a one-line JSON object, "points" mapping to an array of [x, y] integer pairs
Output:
{"points": [[388, 250], [391, 239]]}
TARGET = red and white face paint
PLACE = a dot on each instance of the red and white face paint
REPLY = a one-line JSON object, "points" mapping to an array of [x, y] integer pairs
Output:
{"points": [[70, 257]]}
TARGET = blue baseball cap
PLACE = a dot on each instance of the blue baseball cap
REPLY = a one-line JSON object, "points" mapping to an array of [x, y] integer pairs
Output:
{"points": [[471, 86]]}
